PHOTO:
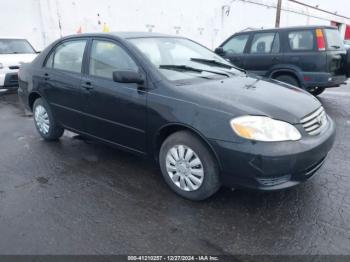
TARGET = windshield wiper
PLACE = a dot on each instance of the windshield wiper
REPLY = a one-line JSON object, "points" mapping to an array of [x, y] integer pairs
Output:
{"points": [[215, 63], [189, 68]]}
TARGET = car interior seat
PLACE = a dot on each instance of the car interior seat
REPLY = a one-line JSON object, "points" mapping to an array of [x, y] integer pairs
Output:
{"points": [[261, 47]]}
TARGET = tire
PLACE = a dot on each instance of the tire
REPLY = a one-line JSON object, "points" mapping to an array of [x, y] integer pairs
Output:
{"points": [[190, 188], [288, 79], [42, 115], [347, 63], [317, 91]]}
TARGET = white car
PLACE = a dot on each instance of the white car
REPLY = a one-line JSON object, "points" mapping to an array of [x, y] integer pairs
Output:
{"points": [[13, 53]]}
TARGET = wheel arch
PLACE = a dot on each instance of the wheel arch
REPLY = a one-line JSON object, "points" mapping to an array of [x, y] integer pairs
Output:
{"points": [[287, 71], [32, 97], [171, 128]]}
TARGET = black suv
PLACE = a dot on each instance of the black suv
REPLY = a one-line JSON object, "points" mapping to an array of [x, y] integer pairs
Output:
{"points": [[311, 57]]}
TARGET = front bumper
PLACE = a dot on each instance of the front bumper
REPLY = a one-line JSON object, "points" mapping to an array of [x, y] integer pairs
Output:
{"points": [[273, 165], [9, 79]]}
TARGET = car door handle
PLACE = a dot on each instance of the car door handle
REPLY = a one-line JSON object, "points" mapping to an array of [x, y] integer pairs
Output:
{"points": [[87, 85], [46, 77], [275, 59]]}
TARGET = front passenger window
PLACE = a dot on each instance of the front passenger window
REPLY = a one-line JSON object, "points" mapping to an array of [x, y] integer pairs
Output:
{"points": [[107, 57]]}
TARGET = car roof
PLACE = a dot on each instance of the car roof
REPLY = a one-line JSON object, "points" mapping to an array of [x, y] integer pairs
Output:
{"points": [[124, 35], [127, 35], [288, 28]]}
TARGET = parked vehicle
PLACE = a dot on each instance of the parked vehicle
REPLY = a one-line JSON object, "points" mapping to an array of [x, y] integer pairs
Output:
{"points": [[13, 53], [173, 100], [312, 57]]}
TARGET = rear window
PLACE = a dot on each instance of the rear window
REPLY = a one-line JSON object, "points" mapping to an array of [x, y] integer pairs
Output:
{"points": [[301, 40], [333, 38]]}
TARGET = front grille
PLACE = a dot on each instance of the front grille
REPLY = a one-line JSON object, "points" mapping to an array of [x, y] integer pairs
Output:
{"points": [[315, 122], [11, 79], [14, 67]]}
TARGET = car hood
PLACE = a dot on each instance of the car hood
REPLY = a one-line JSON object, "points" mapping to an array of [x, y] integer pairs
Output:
{"points": [[16, 59], [244, 95]]}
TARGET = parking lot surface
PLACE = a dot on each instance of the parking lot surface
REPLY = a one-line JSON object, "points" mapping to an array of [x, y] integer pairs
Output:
{"points": [[80, 197]]}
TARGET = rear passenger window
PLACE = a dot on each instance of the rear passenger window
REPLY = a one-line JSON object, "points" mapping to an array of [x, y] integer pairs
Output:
{"points": [[236, 44], [69, 56], [262, 43], [301, 40], [49, 61]]}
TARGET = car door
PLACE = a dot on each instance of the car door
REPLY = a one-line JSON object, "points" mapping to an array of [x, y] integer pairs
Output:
{"points": [[60, 83], [234, 49], [302, 51], [263, 53], [116, 111]]}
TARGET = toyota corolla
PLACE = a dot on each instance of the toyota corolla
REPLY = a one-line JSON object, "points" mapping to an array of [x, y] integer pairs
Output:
{"points": [[206, 123]]}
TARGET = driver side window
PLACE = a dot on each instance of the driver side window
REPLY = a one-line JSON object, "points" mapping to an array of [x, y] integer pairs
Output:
{"points": [[236, 44], [107, 57]]}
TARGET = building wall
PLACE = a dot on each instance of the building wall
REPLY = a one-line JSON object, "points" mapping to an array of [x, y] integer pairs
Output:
{"points": [[206, 21]]}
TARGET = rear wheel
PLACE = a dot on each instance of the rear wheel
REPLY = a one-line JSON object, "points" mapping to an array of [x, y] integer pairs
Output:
{"points": [[317, 91], [188, 167], [45, 122], [347, 63], [288, 79]]}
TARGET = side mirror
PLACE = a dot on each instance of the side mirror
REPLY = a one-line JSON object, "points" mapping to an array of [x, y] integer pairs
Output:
{"points": [[127, 77], [219, 51]]}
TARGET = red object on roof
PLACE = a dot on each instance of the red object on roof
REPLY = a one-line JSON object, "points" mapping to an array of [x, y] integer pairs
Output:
{"points": [[347, 32]]}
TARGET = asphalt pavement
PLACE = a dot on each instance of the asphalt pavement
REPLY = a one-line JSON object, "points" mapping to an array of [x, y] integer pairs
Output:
{"points": [[80, 197]]}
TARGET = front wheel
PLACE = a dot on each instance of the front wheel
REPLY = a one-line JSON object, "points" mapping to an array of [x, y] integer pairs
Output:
{"points": [[45, 122], [188, 167]]}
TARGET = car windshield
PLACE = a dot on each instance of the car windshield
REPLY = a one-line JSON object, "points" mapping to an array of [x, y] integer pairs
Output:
{"points": [[183, 59], [15, 46], [334, 40]]}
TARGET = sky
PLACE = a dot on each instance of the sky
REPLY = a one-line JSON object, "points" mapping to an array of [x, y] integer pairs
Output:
{"points": [[340, 6]]}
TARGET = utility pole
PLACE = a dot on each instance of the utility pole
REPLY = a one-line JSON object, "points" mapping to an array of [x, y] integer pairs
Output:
{"points": [[278, 13]]}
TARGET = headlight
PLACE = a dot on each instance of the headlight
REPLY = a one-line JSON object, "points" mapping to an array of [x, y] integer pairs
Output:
{"points": [[1, 66], [263, 128]]}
